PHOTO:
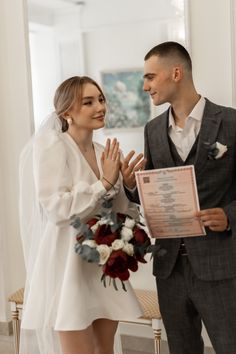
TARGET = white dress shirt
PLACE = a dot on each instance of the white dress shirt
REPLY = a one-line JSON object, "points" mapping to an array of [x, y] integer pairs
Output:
{"points": [[184, 138]]}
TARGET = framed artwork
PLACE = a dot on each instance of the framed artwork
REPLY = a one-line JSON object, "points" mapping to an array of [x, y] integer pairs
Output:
{"points": [[128, 105]]}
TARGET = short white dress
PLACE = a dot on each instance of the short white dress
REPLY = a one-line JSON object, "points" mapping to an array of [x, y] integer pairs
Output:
{"points": [[65, 292]]}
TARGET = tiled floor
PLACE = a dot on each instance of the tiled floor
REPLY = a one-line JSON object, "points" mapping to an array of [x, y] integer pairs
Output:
{"points": [[7, 347]]}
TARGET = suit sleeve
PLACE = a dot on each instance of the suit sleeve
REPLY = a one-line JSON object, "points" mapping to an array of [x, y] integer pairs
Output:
{"points": [[230, 211], [147, 151], [57, 194]]}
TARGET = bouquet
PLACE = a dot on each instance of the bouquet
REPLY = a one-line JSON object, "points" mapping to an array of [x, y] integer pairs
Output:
{"points": [[115, 241]]}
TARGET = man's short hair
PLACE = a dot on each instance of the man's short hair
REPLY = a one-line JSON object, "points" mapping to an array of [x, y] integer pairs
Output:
{"points": [[171, 49]]}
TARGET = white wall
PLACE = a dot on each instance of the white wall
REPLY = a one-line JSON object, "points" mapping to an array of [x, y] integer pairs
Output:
{"points": [[45, 69], [108, 12], [15, 102], [210, 39], [120, 42], [233, 46], [117, 48]]}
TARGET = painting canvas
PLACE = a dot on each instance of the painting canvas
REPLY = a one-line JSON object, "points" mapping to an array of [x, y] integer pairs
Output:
{"points": [[128, 104]]}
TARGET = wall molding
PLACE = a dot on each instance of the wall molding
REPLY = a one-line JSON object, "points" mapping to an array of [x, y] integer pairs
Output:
{"points": [[233, 48]]}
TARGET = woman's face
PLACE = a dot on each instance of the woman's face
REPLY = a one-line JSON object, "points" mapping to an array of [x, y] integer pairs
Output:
{"points": [[90, 114]]}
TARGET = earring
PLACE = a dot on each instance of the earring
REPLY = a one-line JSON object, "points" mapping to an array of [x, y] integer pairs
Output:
{"points": [[69, 121]]}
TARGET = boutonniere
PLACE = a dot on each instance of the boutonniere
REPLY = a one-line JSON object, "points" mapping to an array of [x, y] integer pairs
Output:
{"points": [[216, 150]]}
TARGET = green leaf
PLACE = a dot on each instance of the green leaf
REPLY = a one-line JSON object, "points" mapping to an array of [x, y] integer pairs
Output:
{"points": [[103, 279], [107, 204], [89, 254], [78, 247], [156, 250], [114, 284], [86, 232], [123, 286], [76, 223]]}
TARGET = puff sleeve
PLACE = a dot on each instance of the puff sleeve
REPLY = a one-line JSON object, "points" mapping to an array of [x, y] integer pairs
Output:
{"points": [[56, 192]]}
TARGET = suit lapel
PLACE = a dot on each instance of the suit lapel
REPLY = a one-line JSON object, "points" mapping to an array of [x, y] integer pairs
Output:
{"points": [[161, 152], [211, 121]]}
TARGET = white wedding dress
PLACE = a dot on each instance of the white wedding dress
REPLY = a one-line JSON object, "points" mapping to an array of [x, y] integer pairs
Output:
{"points": [[64, 292]]}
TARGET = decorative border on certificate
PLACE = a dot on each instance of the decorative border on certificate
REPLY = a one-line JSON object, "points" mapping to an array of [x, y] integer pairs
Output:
{"points": [[169, 200]]}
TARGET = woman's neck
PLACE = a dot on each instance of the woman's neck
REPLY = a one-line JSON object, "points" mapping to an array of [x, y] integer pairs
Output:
{"points": [[84, 139]]}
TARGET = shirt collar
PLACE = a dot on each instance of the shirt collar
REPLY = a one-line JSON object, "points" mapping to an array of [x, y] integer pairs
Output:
{"points": [[196, 113]]}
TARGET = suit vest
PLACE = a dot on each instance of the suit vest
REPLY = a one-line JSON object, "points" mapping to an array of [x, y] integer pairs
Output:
{"points": [[177, 159]]}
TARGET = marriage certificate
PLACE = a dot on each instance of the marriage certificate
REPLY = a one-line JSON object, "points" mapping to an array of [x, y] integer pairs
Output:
{"points": [[169, 199]]}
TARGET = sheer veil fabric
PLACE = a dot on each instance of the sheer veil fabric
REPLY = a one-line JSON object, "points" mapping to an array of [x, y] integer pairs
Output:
{"points": [[32, 224]]}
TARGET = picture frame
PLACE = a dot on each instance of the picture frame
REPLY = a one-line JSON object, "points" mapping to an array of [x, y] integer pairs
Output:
{"points": [[128, 105]]}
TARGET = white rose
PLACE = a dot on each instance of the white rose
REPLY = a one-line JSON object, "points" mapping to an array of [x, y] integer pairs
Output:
{"points": [[94, 227], [90, 243], [104, 253], [126, 233], [117, 245], [129, 223], [129, 249]]}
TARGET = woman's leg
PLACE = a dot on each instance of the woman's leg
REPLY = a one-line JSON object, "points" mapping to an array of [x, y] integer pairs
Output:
{"points": [[77, 342], [104, 333]]}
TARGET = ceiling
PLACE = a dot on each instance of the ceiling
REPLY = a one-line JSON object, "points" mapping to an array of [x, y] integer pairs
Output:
{"points": [[55, 4]]}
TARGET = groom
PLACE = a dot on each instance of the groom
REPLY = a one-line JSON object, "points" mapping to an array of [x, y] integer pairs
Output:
{"points": [[196, 278]]}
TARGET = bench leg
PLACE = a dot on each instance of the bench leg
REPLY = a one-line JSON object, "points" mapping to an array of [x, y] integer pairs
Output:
{"points": [[157, 340], [156, 326], [16, 329]]}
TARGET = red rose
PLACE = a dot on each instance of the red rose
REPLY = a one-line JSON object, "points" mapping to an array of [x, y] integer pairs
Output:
{"points": [[121, 217], [104, 235], [140, 258], [118, 265], [140, 236], [132, 264], [142, 241], [92, 222]]}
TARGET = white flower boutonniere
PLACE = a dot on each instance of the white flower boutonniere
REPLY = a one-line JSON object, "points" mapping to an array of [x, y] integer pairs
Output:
{"points": [[216, 150]]}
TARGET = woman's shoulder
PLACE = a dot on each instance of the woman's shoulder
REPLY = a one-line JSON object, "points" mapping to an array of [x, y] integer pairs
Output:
{"points": [[48, 138], [49, 141]]}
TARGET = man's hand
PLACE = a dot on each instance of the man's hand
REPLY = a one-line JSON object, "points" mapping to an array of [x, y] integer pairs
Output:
{"points": [[214, 218], [129, 168]]}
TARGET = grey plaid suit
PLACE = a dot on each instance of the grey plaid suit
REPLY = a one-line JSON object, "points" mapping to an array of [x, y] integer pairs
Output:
{"points": [[203, 284]]}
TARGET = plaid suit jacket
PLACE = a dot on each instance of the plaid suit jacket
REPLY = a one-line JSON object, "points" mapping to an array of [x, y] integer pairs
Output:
{"points": [[213, 257]]}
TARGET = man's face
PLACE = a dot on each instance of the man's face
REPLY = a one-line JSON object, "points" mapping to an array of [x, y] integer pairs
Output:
{"points": [[158, 80]]}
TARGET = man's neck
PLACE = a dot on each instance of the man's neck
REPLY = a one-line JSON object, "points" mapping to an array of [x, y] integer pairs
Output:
{"points": [[181, 109]]}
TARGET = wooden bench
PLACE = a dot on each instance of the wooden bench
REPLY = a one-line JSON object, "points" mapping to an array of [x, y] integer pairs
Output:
{"points": [[147, 299]]}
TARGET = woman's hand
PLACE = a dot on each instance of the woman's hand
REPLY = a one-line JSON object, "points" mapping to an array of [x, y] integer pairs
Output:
{"points": [[128, 168], [110, 163]]}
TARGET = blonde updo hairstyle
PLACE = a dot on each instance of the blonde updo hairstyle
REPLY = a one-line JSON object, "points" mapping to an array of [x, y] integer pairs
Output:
{"points": [[68, 93]]}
